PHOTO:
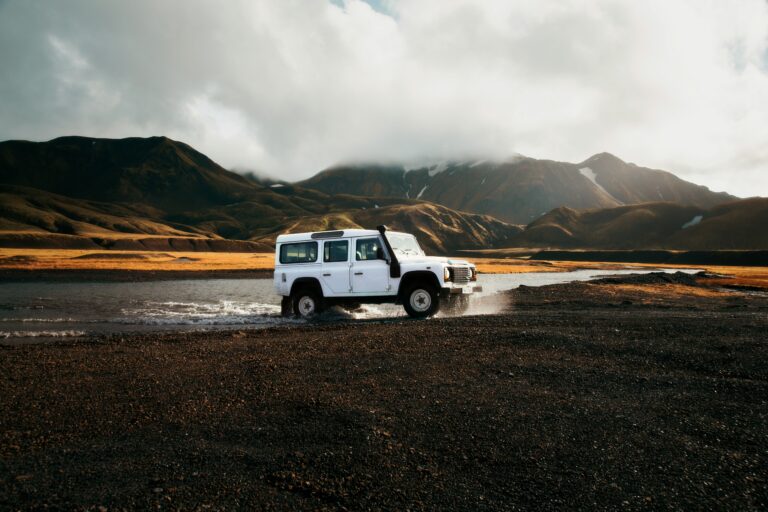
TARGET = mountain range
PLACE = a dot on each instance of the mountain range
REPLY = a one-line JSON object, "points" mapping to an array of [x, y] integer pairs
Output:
{"points": [[518, 190], [728, 226], [157, 193]]}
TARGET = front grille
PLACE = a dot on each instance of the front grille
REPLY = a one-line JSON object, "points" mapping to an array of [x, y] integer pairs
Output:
{"points": [[461, 275]]}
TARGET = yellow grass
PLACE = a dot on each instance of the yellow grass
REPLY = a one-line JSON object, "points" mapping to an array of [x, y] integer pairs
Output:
{"points": [[517, 266], [741, 276], [734, 276], [70, 259], [667, 290]]}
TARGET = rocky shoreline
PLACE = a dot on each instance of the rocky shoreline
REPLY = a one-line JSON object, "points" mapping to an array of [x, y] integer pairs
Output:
{"points": [[607, 395]]}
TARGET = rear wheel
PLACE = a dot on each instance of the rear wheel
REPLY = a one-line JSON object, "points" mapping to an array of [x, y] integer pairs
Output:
{"points": [[421, 300], [307, 303]]}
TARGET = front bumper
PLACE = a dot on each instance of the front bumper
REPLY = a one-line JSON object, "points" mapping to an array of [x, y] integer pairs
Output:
{"points": [[460, 290]]}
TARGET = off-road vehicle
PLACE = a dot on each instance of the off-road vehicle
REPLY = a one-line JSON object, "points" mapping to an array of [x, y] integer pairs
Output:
{"points": [[314, 271]]}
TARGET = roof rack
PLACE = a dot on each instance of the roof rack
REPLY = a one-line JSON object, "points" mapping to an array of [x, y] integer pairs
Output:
{"points": [[327, 234]]}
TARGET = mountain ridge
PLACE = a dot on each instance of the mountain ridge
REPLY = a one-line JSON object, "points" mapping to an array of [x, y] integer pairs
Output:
{"points": [[156, 171], [519, 189], [662, 225], [156, 192], [103, 190]]}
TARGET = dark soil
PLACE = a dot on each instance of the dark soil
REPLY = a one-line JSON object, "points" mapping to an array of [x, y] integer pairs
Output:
{"points": [[579, 406], [684, 278]]}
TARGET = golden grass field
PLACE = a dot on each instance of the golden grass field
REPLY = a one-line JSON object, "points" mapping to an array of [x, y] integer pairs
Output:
{"points": [[70, 259]]}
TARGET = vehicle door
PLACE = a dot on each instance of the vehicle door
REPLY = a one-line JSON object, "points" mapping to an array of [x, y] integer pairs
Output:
{"points": [[336, 265], [370, 271]]}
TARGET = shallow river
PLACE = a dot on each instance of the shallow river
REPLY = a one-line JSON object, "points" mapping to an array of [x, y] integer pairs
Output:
{"points": [[52, 310]]}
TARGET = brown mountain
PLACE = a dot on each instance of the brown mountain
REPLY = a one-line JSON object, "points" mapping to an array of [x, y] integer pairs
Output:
{"points": [[134, 193], [35, 218], [160, 193], [154, 171], [439, 230], [734, 225], [518, 190]]}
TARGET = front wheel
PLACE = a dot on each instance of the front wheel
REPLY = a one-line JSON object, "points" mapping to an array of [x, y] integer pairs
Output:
{"points": [[421, 301], [307, 303]]}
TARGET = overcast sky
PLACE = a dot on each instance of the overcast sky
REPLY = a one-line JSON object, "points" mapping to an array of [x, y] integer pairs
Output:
{"points": [[290, 87]]}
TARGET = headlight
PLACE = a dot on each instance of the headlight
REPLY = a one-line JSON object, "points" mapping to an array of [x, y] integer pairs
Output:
{"points": [[474, 273], [446, 274]]}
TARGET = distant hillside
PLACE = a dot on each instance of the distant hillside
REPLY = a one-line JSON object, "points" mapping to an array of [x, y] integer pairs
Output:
{"points": [[36, 211], [154, 171], [519, 190], [159, 193], [35, 218], [439, 230], [735, 225], [162, 194]]}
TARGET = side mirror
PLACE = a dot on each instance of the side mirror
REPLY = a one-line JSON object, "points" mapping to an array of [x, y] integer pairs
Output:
{"points": [[379, 253]]}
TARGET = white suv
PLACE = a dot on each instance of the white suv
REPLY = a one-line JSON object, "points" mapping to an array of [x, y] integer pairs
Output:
{"points": [[316, 270]]}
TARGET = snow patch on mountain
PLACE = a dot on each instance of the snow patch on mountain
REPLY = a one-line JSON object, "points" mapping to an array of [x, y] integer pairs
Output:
{"points": [[422, 191], [437, 169], [695, 220], [430, 165], [591, 176]]}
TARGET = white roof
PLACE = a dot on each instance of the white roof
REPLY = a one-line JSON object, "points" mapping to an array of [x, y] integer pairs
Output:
{"points": [[297, 237]]}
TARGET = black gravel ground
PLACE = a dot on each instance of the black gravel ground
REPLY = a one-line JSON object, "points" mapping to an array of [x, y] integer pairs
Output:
{"points": [[582, 405]]}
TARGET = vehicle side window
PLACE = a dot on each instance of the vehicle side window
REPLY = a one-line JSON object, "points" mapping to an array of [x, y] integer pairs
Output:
{"points": [[366, 249], [337, 250], [303, 252]]}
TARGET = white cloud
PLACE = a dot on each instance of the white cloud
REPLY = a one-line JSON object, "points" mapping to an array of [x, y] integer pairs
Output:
{"points": [[290, 86]]}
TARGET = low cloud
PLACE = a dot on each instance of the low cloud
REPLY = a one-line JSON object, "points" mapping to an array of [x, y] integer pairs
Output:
{"points": [[289, 87]]}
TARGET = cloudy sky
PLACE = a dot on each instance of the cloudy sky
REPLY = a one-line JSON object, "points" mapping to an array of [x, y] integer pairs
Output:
{"points": [[288, 87]]}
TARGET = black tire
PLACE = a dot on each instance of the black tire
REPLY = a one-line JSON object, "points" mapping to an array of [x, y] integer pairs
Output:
{"points": [[307, 303], [421, 300]]}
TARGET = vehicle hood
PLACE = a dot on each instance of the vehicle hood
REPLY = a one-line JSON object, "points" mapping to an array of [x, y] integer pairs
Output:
{"points": [[408, 259]]}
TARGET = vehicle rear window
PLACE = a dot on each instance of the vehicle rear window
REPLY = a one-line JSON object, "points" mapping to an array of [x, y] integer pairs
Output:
{"points": [[366, 248], [303, 252], [337, 250]]}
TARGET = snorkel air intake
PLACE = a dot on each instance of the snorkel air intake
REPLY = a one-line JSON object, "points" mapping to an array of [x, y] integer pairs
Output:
{"points": [[394, 265]]}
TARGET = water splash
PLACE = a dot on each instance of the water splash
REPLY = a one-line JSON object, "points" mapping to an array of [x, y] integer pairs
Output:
{"points": [[41, 334], [224, 312]]}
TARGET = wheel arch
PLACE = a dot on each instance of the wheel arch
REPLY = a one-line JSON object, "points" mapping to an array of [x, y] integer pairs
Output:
{"points": [[417, 276], [306, 282]]}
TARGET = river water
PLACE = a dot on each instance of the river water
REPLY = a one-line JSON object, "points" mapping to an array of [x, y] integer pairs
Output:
{"points": [[45, 311]]}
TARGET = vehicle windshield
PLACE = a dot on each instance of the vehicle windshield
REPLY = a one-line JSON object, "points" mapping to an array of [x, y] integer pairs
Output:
{"points": [[405, 245]]}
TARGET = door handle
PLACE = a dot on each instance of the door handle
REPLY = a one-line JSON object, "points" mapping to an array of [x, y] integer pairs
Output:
{"points": [[358, 273], [326, 275]]}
